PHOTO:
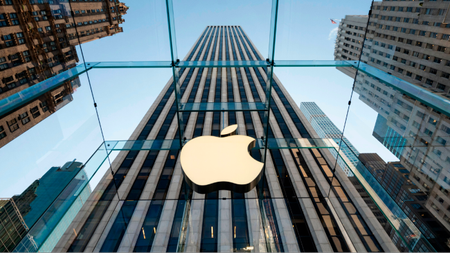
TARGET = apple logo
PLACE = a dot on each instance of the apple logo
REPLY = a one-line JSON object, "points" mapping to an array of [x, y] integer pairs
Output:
{"points": [[212, 163]]}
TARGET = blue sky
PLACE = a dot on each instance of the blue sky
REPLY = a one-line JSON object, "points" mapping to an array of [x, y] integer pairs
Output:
{"points": [[124, 95]]}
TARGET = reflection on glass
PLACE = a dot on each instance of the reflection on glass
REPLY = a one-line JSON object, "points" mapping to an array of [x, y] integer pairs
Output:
{"points": [[47, 207]]}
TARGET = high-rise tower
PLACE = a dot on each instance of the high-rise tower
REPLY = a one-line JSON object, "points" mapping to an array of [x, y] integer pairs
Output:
{"points": [[409, 40], [301, 204], [38, 42]]}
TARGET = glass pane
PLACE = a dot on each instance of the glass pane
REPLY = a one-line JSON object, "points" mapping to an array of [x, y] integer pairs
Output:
{"points": [[126, 95], [307, 30], [253, 17], [120, 29], [59, 132]]}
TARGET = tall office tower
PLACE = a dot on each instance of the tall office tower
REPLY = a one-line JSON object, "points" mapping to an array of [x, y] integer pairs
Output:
{"points": [[374, 163], [38, 42], [325, 128], [13, 228], [409, 40], [395, 180], [48, 205], [148, 206]]}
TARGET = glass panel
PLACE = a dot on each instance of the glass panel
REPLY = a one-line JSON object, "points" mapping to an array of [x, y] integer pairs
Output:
{"points": [[317, 21], [73, 191], [25, 96], [130, 105], [314, 63], [123, 31], [253, 16], [134, 64]]}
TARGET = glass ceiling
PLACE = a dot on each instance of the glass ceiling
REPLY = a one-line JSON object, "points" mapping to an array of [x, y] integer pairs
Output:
{"points": [[121, 76]]}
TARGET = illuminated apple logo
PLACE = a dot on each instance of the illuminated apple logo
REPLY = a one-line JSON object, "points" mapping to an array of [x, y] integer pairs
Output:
{"points": [[211, 163]]}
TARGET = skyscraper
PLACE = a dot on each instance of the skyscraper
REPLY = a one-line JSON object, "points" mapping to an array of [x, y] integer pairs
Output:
{"points": [[48, 205], [409, 40], [39, 39], [13, 228], [325, 128], [147, 205]]}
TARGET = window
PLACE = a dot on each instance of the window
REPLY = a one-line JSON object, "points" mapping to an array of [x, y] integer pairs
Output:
{"points": [[35, 112], [4, 66], [441, 48], [2, 132], [441, 140], [13, 125]]}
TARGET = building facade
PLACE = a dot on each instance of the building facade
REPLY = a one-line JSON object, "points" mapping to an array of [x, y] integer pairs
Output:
{"points": [[13, 228], [409, 40], [325, 128], [147, 206], [38, 42]]}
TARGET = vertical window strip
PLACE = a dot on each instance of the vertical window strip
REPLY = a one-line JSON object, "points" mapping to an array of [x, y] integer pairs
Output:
{"points": [[210, 223], [241, 238], [177, 228]]}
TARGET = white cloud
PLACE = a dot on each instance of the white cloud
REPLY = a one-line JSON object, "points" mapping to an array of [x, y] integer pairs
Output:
{"points": [[333, 33]]}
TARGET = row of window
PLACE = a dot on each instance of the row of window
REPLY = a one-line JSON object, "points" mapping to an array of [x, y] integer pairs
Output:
{"points": [[89, 11], [356, 27], [90, 22], [426, 11], [411, 42], [13, 18], [9, 39], [434, 35], [24, 118], [410, 74]]}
